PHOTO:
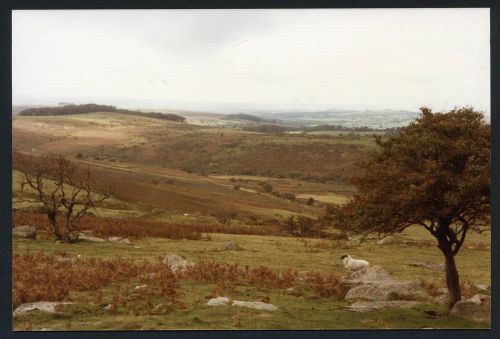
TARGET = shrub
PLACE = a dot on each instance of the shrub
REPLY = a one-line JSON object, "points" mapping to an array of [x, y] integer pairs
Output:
{"points": [[300, 226], [266, 187]]}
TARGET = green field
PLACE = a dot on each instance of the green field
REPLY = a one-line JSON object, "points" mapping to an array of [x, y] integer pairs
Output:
{"points": [[280, 253]]}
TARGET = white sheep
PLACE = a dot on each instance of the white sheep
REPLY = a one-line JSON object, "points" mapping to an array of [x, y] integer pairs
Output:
{"points": [[351, 264]]}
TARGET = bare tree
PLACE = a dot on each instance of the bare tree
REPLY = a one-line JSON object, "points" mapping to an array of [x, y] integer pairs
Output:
{"points": [[62, 188]]}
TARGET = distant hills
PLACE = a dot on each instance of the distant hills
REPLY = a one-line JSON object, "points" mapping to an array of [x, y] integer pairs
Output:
{"points": [[93, 108]]}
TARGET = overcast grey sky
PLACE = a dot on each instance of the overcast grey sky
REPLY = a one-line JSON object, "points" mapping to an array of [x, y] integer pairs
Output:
{"points": [[293, 59]]}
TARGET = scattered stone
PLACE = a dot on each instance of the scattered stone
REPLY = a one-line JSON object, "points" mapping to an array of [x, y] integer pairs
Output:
{"points": [[44, 306], [481, 299], [258, 305], [157, 211], [140, 287], [157, 308], [390, 239], [68, 260], [219, 301], [375, 284], [119, 240], [468, 309], [483, 287], [387, 290], [229, 246], [176, 262], [442, 290], [429, 265], [441, 299], [293, 291], [28, 232], [365, 275], [90, 238], [364, 306]]}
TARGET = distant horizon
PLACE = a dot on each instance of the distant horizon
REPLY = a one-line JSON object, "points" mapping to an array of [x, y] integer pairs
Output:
{"points": [[215, 107]]}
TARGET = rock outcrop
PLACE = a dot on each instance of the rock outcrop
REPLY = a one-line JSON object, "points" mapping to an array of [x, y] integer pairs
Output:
{"points": [[373, 288], [176, 262], [229, 246], [27, 232], [90, 238], [44, 306], [478, 309], [364, 306], [257, 305], [219, 301], [119, 240]]}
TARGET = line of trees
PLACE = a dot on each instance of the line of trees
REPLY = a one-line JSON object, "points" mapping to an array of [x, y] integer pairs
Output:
{"points": [[92, 108]]}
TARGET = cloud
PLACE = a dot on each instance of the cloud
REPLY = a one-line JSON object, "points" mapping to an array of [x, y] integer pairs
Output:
{"points": [[359, 58]]}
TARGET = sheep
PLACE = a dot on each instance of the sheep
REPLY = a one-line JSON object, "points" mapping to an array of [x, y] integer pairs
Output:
{"points": [[351, 264]]}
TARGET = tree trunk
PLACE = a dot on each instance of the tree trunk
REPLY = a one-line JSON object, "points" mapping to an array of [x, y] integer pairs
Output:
{"points": [[452, 278]]}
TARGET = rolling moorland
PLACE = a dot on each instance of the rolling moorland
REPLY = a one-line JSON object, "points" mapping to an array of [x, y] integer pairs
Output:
{"points": [[191, 187]]}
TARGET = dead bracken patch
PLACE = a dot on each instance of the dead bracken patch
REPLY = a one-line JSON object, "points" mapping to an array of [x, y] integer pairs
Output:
{"points": [[37, 277]]}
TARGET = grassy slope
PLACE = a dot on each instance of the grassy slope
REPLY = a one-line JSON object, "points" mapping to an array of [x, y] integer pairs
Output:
{"points": [[200, 149], [278, 253], [134, 143]]}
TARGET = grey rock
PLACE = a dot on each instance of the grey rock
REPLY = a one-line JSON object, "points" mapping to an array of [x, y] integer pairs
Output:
{"points": [[68, 260], [387, 290], [483, 287], [140, 287], [375, 284], [373, 273], [364, 306], [44, 306], [442, 290], [441, 299], [229, 246], [257, 305], [219, 301], [467, 309], [429, 265], [119, 240], [176, 262], [28, 232], [481, 299], [90, 238]]}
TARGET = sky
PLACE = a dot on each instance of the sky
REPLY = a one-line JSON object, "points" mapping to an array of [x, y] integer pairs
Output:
{"points": [[286, 59]]}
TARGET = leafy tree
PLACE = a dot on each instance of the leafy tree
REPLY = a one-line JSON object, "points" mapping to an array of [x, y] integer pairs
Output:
{"points": [[435, 173], [62, 188]]}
